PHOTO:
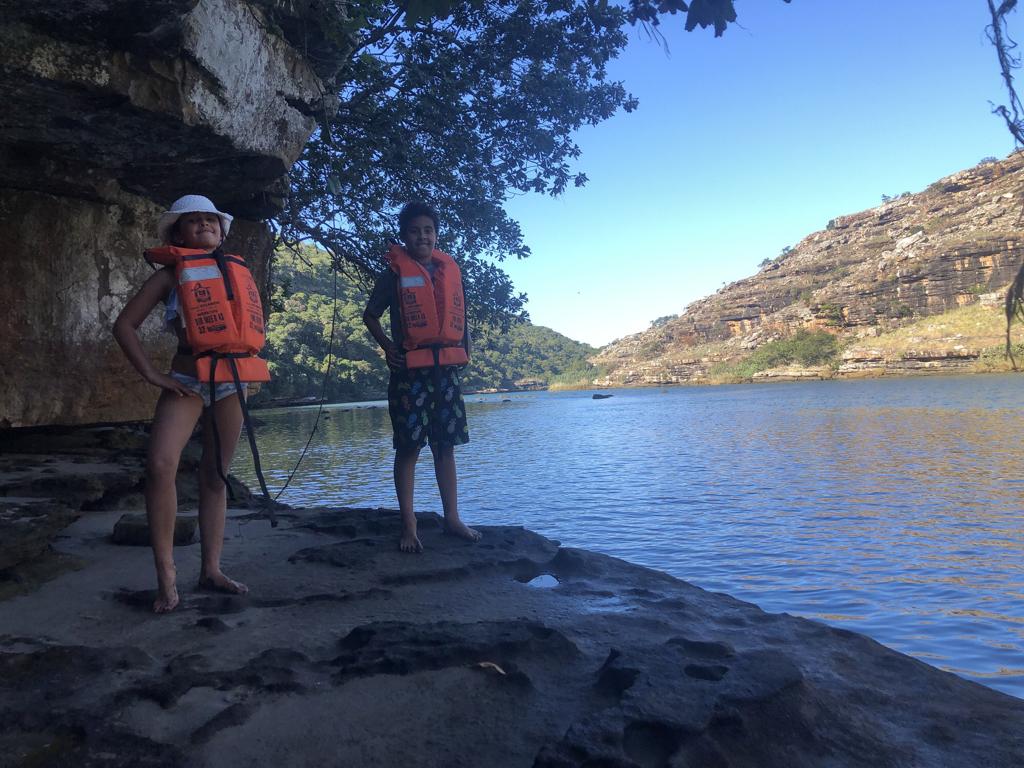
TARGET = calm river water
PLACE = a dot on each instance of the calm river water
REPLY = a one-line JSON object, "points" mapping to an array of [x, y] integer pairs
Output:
{"points": [[890, 507]]}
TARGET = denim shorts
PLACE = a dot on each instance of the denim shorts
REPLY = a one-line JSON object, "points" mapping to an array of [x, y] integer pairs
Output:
{"points": [[220, 391]]}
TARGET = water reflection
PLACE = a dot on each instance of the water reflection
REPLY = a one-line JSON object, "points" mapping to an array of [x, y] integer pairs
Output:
{"points": [[889, 506]]}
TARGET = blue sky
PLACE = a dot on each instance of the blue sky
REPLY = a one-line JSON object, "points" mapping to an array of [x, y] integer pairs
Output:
{"points": [[744, 144]]}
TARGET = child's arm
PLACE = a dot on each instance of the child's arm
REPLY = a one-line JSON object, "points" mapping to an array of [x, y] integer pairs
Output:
{"points": [[394, 356], [380, 300], [153, 291], [467, 341]]}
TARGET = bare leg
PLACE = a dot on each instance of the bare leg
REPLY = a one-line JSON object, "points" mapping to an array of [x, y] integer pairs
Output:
{"points": [[448, 486], [405, 476], [213, 493], [173, 422]]}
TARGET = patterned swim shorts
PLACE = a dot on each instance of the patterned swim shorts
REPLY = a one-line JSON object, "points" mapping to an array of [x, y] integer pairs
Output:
{"points": [[420, 413]]}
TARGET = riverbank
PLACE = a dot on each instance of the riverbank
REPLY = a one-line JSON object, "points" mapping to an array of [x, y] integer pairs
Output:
{"points": [[513, 652], [967, 340]]}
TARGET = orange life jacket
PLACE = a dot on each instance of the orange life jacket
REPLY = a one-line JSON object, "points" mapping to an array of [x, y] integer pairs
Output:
{"points": [[221, 310], [433, 311]]}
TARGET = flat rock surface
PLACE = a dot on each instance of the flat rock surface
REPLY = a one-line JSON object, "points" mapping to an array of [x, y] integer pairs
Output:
{"points": [[49, 476], [132, 530], [510, 652]]}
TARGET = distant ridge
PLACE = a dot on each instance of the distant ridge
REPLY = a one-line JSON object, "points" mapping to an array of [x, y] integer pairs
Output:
{"points": [[915, 256]]}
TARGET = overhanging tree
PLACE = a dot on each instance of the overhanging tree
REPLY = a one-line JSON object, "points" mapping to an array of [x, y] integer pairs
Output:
{"points": [[1013, 115], [464, 105]]}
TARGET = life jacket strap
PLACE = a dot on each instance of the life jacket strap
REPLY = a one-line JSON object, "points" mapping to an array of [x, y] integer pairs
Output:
{"points": [[438, 398], [250, 433], [221, 355], [225, 275], [440, 354]]}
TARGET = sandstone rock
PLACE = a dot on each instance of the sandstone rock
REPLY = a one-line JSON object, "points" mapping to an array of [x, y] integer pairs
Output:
{"points": [[113, 109], [793, 373], [28, 526], [50, 476], [133, 530], [942, 357], [223, 98]]}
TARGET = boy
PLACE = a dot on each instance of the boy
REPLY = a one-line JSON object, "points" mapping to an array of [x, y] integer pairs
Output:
{"points": [[423, 291]]}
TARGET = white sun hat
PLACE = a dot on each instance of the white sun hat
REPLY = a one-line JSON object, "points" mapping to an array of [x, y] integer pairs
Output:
{"points": [[190, 204]]}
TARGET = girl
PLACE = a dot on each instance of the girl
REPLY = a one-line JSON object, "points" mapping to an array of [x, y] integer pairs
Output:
{"points": [[193, 222]]}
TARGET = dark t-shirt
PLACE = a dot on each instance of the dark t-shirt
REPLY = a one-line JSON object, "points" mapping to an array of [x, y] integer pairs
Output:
{"points": [[384, 297]]}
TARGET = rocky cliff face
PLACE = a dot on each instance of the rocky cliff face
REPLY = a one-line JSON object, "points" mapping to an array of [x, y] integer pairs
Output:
{"points": [[113, 108], [912, 257]]}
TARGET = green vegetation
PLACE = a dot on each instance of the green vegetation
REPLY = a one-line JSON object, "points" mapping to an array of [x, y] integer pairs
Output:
{"points": [[973, 327], [782, 255], [807, 348], [832, 313], [658, 322], [803, 347], [994, 360], [577, 378], [299, 333], [901, 310], [526, 353]]}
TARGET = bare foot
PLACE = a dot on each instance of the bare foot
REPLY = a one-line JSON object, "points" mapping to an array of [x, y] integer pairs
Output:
{"points": [[218, 582], [463, 531], [410, 542], [166, 591]]}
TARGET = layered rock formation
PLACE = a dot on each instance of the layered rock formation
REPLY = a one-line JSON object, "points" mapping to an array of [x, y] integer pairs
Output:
{"points": [[114, 108], [914, 256]]}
